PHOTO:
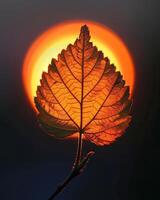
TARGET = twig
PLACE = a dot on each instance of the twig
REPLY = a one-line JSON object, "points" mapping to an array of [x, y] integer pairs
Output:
{"points": [[77, 168]]}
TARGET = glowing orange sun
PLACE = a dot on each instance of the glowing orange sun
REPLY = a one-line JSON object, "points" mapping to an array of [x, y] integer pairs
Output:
{"points": [[52, 41]]}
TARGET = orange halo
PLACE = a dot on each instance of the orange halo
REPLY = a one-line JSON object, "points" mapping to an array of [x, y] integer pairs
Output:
{"points": [[52, 41]]}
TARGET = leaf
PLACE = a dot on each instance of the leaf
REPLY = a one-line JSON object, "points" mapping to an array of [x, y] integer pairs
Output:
{"points": [[82, 92]]}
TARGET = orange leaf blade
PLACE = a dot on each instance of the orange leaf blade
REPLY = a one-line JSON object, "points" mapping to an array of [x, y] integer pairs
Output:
{"points": [[82, 92]]}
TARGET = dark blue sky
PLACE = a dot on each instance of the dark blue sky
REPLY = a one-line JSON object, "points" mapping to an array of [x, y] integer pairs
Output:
{"points": [[31, 163]]}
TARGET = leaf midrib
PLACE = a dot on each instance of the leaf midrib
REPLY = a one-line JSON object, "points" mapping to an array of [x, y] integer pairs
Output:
{"points": [[82, 86]]}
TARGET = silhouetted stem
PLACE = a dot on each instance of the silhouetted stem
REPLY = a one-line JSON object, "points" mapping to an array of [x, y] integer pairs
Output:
{"points": [[79, 151], [77, 168], [63, 185]]}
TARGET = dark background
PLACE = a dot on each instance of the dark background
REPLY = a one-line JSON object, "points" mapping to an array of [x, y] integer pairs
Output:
{"points": [[31, 163]]}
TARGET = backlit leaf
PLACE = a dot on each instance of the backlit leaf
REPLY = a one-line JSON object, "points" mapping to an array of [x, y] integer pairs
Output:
{"points": [[82, 92]]}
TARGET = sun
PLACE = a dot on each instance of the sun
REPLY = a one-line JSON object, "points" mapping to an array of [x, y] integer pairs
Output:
{"points": [[48, 44]]}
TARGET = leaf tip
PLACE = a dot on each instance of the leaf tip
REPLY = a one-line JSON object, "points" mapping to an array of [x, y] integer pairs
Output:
{"points": [[84, 28], [85, 32]]}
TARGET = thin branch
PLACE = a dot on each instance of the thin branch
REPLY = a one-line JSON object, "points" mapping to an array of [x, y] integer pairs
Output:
{"points": [[77, 168], [73, 174]]}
